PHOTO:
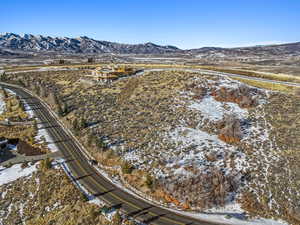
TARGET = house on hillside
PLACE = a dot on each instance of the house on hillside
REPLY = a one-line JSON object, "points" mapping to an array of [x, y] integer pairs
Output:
{"points": [[106, 75], [103, 75]]}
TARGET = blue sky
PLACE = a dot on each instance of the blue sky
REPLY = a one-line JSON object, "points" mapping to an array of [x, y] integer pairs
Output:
{"points": [[184, 23]]}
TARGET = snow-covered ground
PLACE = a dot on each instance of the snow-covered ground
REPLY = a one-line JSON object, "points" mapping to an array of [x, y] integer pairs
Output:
{"points": [[206, 144], [214, 110], [43, 135], [14, 172], [232, 218], [2, 104]]}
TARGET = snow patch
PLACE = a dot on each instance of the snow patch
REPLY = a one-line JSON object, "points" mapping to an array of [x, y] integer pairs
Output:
{"points": [[15, 172], [2, 104], [232, 219], [214, 110], [43, 135]]}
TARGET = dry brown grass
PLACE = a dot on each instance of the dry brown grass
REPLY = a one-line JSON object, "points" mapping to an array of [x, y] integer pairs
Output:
{"points": [[267, 85], [249, 73]]}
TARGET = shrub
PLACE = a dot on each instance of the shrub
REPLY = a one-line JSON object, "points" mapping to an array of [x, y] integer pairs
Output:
{"points": [[46, 164], [65, 108], [200, 92], [127, 168], [91, 60], [94, 213], [83, 197], [117, 219], [3, 76], [243, 95], [101, 144], [297, 92], [90, 139], [149, 181], [83, 123], [60, 111], [75, 125], [231, 133]]}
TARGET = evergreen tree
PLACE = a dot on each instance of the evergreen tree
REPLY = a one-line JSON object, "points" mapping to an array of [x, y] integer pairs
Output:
{"points": [[100, 144], [127, 168], [65, 108], [21, 83], [75, 124], [149, 181], [60, 110], [83, 123], [44, 93], [37, 90], [46, 164], [90, 140], [3, 76]]}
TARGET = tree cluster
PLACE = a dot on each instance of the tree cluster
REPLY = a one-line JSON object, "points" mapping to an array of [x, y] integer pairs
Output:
{"points": [[231, 131], [244, 96]]}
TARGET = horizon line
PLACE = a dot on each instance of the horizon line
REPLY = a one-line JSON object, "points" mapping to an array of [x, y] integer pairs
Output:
{"points": [[249, 45]]}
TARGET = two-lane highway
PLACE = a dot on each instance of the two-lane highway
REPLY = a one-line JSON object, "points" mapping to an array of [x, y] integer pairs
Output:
{"points": [[90, 178]]}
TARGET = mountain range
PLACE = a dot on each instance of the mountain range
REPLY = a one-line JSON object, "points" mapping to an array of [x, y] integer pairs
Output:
{"points": [[39, 43], [11, 44]]}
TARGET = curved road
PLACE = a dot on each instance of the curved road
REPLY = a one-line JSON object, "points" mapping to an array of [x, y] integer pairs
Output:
{"points": [[90, 178]]}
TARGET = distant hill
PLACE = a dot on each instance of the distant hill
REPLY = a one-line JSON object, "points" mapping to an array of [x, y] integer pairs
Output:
{"points": [[39, 43], [290, 49]]}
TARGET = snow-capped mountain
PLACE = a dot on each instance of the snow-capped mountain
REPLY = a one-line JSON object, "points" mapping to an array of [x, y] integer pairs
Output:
{"points": [[11, 43], [39, 43]]}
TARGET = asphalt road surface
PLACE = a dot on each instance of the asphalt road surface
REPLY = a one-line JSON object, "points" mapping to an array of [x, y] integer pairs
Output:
{"points": [[91, 179]]}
